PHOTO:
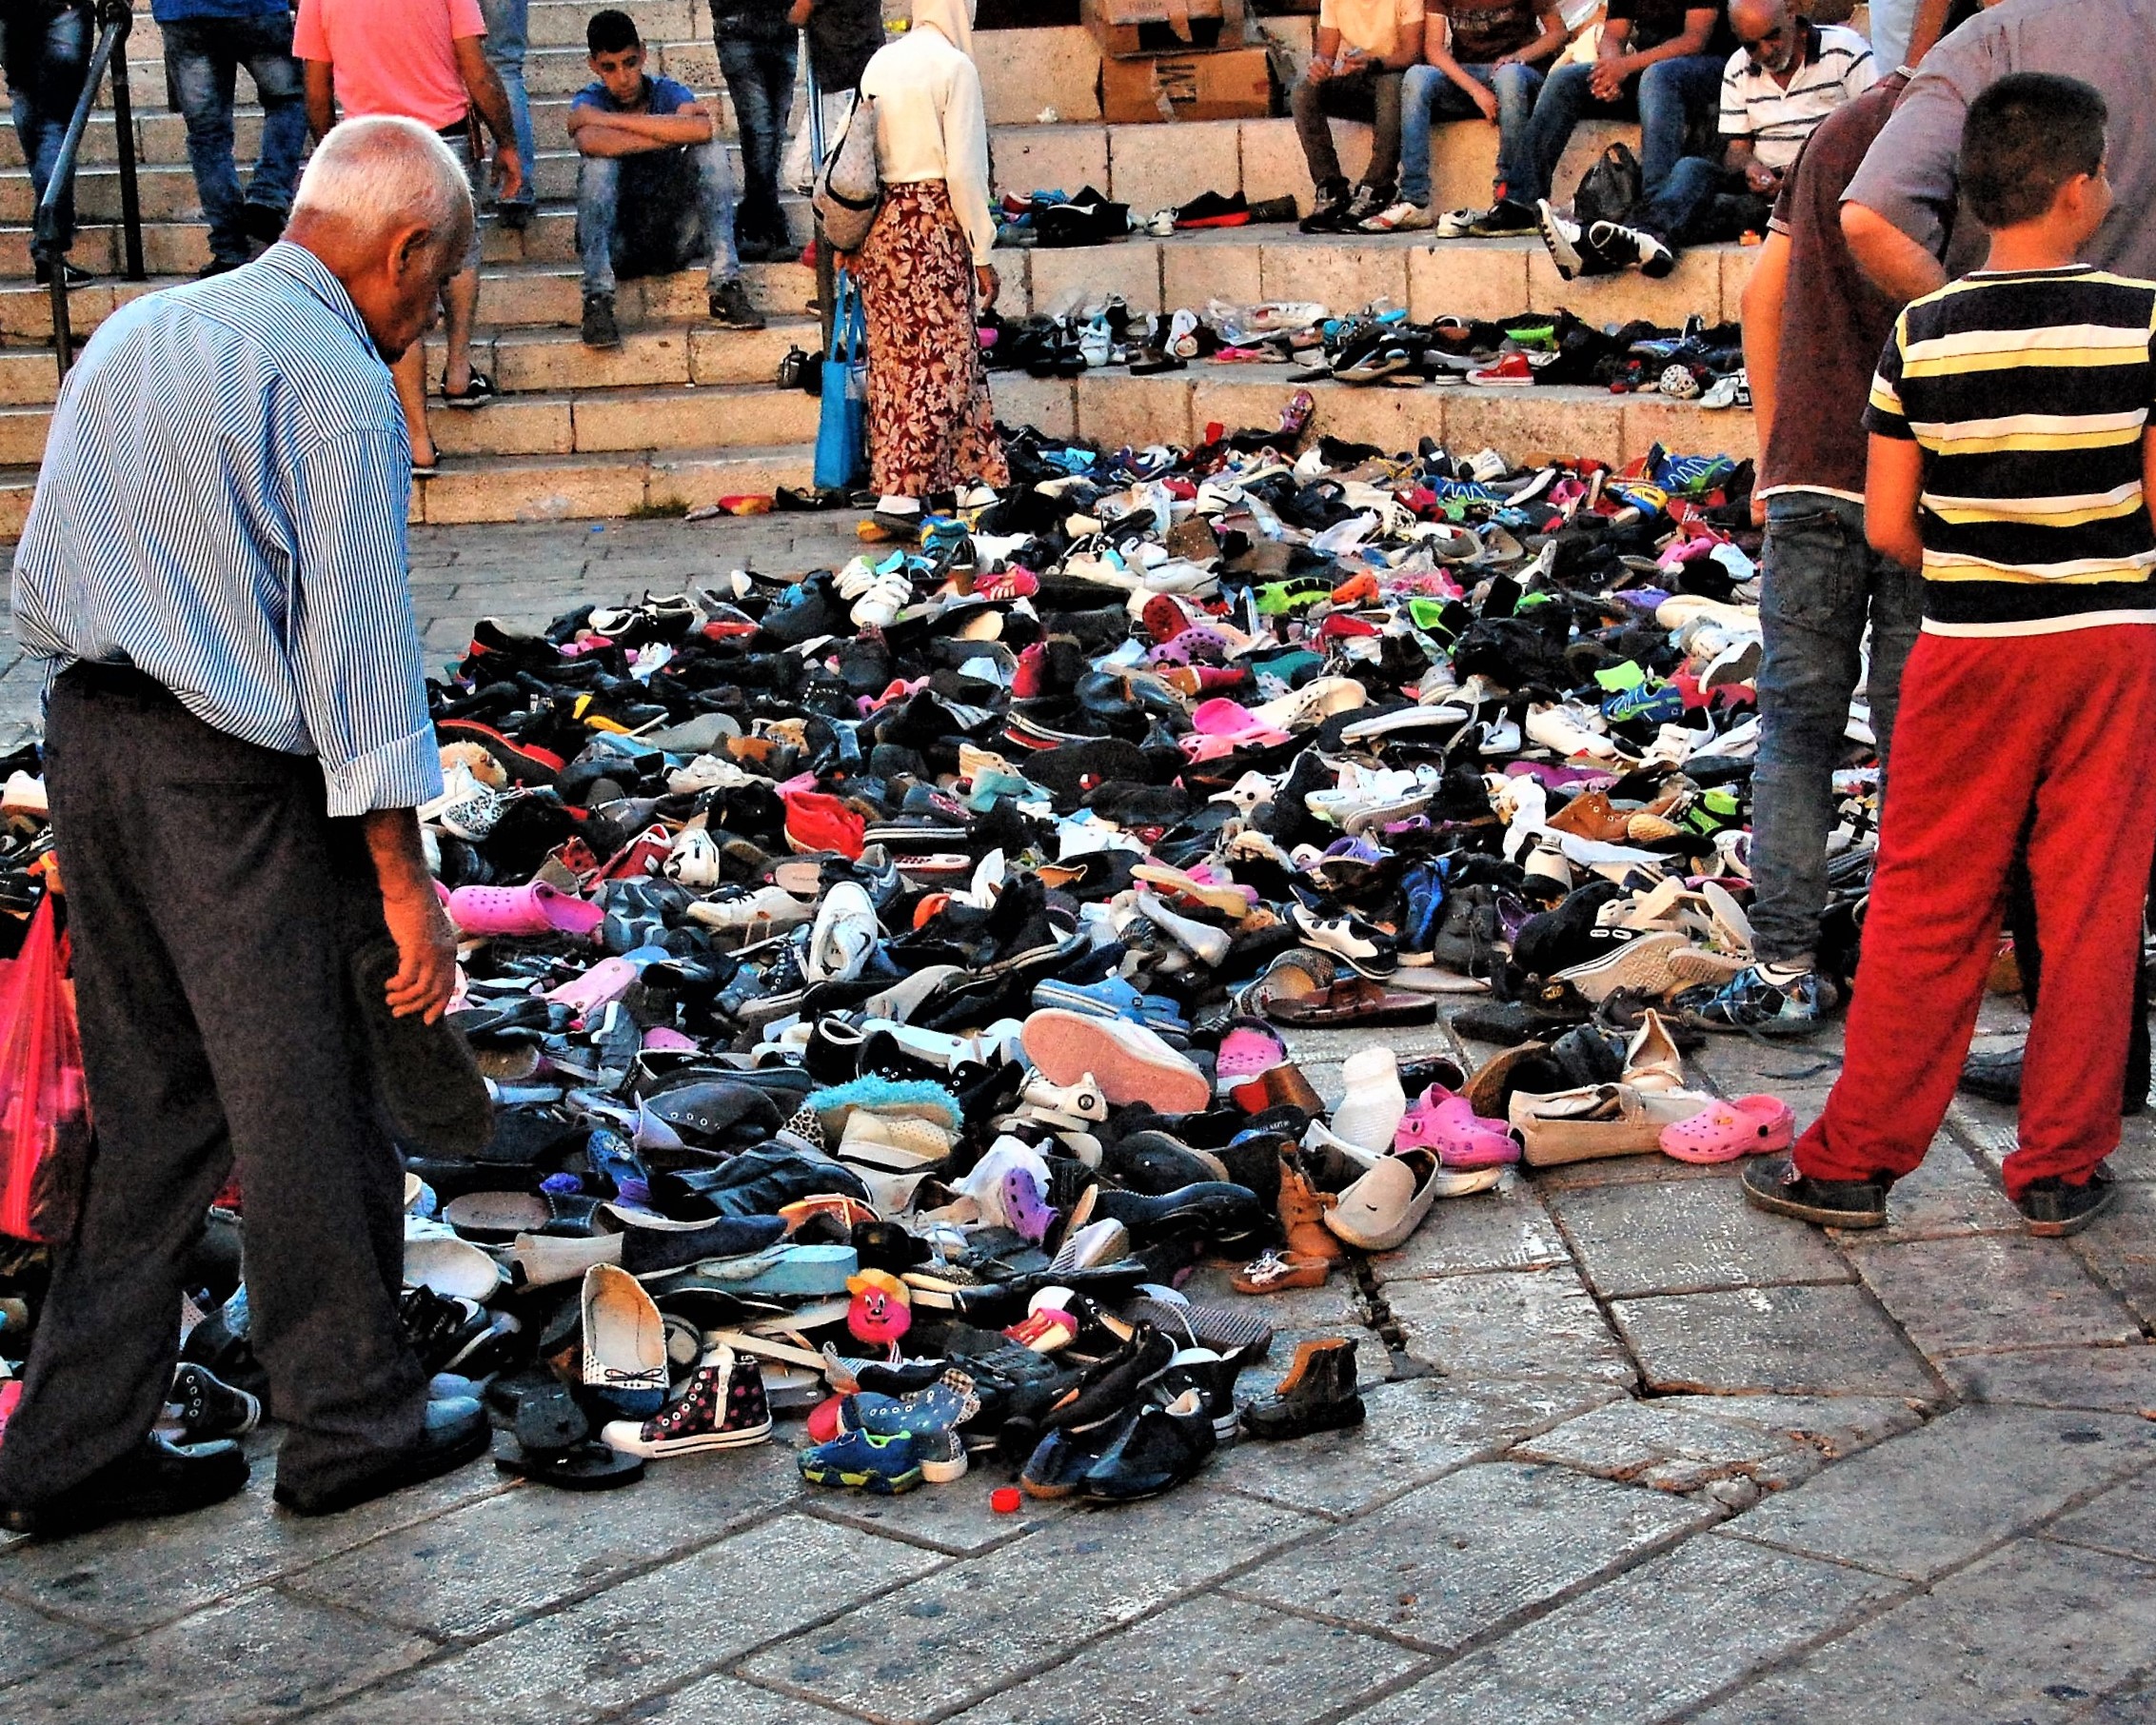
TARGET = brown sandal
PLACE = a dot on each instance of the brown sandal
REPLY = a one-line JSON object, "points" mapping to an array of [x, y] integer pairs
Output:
{"points": [[1353, 1000]]}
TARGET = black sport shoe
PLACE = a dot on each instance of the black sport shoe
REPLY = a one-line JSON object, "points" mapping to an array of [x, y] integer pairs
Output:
{"points": [[2055, 1207], [1503, 220], [1773, 1184], [456, 1432], [1632, 247], [730, 307], [210, 1407], [154, 1479], [600, 329], [1328, 209]]}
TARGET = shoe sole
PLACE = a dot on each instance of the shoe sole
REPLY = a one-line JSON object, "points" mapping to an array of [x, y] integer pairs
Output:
{"points": [[2058, 1230], [662, 1448], [878, 1486], [1649, 965], [1562, 250], [1816, 1215], [1073, 1045], [944, 1473]]}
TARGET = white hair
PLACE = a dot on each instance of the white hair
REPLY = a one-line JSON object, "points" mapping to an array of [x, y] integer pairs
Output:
{"points": [[381, 169]]}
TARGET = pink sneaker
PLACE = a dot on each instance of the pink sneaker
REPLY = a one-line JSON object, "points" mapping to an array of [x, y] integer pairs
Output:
{"points": [[534, 909], [1447, 1123], [1751, 1125]]}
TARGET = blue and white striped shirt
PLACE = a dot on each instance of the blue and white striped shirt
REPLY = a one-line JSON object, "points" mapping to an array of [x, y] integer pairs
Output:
{"points": [[223, 505]]}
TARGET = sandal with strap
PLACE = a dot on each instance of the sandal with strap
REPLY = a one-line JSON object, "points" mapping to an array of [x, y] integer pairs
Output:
{"points": [[475, 394]]}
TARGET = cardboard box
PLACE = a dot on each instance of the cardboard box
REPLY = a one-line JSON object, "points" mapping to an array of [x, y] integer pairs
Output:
{"points": [[1235, 85], [1132, 29]]}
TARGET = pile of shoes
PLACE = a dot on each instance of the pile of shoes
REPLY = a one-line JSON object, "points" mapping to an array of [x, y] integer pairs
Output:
{"points": [[886, 977]]}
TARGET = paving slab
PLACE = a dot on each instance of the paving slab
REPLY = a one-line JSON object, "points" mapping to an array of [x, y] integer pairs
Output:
{"points": [[1978, 1295], [2117, 1381], [1971, 1479], [1799, 1341], [974, 1629], [1836, 1426], [1948, 1196], [1506, 1228], [2120, 1249], [1451, 1563], [1989, 1130], [652, 1632], [2122, 1521], [1687, 1238], [29, 1641], [1525, 1323], [1416, 1429], [2029, 1634], [720, 1699], [1665, 1637], [1209, 1657], [955, 1518], [1677, 1445], [259, 1656], [493, 1564], [136, 1575]]}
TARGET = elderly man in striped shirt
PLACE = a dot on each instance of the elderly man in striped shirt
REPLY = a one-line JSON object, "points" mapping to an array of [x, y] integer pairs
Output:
{"points": [[237, 738]]}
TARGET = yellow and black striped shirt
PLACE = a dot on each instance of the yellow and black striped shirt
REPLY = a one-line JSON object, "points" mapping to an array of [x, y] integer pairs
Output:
{"points": [[2029, 394]]}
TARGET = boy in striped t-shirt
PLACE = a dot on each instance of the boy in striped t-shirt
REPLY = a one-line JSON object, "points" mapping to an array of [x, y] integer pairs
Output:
{"points": [[2010, 459]]}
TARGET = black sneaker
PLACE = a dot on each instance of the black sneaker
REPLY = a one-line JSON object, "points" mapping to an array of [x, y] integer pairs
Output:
{"points": [[208, 1408], [2055, 1207], [153, 1479], [1630, 247], [600, 329], [41, 272], [1773, 1184], [1503, 220], [1367, 202], [730, 307], [1328, 209]]}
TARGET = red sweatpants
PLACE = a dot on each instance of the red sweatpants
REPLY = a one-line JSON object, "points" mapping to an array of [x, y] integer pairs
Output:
{"points": [[2050, 733]]}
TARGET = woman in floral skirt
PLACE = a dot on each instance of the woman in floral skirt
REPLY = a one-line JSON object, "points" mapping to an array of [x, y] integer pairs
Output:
{"points": [[923, 270]]}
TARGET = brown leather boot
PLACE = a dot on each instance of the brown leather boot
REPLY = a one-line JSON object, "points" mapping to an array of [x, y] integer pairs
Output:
{"points": [[1317, 1395], [1312, 1248]]}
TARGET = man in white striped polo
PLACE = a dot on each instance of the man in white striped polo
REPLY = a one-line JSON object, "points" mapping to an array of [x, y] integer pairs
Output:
{"points": [[237, 739]]}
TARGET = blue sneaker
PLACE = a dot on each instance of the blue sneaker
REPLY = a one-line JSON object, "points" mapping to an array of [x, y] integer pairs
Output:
{"points": [[1748, 1002], [863, 1461], [1424, 884]]}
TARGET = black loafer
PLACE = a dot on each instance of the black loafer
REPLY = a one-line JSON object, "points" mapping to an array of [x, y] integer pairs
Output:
{"points": [[1994, 1076], [456, 1432], [157, 1477], [1773, 1184], [2056, 1207]]}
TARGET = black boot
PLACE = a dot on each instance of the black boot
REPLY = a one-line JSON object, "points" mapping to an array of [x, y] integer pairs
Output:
{"points": [[1317, 1395]]}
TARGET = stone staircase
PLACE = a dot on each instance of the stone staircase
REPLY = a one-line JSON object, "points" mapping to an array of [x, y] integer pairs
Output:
{"points": [[685, 412]]}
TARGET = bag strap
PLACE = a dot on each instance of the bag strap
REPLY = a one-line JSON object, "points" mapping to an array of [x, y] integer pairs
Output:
{"points": [[849, 322]]}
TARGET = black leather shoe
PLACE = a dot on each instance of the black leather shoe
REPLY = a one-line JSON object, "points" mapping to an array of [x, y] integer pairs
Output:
{"points": [[157, 1477], [1773, 1184], [2055, 1207], [1996, 1076], [456, 1432]]}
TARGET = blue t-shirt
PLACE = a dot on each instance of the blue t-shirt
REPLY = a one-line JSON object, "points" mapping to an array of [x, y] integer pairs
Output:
{"points": [[186, 11], [666, 98]]}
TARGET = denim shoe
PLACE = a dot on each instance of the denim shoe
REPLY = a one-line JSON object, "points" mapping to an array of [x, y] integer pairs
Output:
{"points": [[1748, 1002], [863, 1461]]}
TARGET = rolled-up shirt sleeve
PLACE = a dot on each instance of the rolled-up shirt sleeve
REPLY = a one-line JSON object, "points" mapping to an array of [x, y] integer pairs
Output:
{"points": [[353, 639]]}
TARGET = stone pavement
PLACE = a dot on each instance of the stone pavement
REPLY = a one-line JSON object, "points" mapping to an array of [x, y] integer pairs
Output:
{"points": [[1635, 1452]]}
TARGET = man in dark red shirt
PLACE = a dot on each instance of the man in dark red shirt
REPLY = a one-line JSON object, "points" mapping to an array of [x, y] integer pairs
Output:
{"points": [[1813, 327]]}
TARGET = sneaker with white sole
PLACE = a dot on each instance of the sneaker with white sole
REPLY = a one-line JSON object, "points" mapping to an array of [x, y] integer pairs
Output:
{"points": [[1630, 247], [722, 1407], [1402, 217]]}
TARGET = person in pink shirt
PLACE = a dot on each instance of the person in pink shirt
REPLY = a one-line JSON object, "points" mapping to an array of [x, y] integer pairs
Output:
{"points": [[423, 60]]}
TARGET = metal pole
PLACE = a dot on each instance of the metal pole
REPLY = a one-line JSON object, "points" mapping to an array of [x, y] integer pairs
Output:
{"points": [[826, 274], [124, 123], [115, 18]]}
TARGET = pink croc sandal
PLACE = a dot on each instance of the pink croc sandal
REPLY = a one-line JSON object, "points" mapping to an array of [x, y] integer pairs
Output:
{"points": [[1447, 1123], [1250, 1049], [534, 909], [608, 980], [1751, 1125]]}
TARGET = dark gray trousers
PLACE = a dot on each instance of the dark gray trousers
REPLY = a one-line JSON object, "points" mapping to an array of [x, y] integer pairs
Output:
{"points": [[214, 906]]}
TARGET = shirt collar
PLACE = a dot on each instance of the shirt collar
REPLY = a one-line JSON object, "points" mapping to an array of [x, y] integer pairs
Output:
{"points": [[311, 274]]}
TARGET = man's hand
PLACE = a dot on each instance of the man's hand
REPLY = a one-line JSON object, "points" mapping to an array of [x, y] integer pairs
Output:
{"points": [[1486, 99], [509, 171], [1762, 179], [426, 955], [1319, 70], [427, 946], [988, 282], [1606, 81]]}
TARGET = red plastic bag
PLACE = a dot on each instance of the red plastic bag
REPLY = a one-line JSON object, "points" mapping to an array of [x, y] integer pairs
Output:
{"points": [[43, 1101]]}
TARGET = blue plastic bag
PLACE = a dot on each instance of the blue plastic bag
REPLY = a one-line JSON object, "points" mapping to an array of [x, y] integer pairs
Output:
{"points": [[841, 432]]}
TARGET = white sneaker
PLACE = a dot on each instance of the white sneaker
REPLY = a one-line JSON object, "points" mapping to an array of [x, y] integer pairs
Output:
{"points": [[1457, 224], [694, 859], [1200, 940], [1562, 235], [844, 935], [1402, 217], [752, 916], [466, 807]]}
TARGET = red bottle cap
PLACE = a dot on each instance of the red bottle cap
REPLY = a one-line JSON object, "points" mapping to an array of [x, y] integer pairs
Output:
{"points": [[1004, 1501]]}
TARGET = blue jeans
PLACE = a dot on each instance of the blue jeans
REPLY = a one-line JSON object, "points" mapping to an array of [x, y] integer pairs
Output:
{"points": [[507, 26], [1429, 95], [758, 64], [1702, 201], [601, 183], [45, 55], [202, 58], [1667, 95], [1822, 582]]}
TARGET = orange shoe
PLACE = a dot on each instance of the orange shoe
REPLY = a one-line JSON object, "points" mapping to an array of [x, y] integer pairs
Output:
{"points": [[1362, 590]]}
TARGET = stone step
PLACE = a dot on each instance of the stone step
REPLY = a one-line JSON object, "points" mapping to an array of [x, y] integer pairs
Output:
{"points": [[511, 295], [1113, 408]]}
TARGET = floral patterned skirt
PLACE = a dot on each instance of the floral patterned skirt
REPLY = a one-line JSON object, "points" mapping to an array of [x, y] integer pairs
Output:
{"points": [[931, 427]]}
